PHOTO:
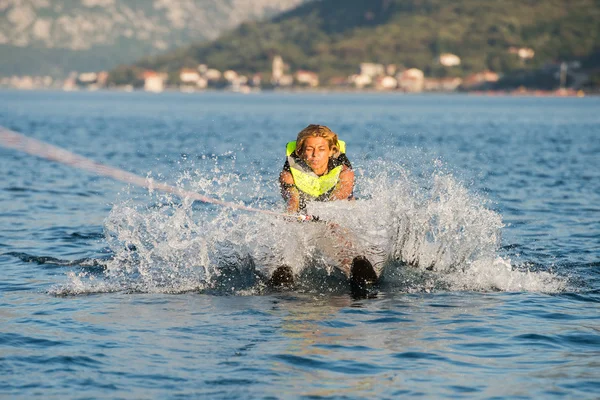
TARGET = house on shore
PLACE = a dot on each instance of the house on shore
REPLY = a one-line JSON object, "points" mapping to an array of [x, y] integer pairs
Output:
{"points": [[307, 78], [360, 80], [448, 84], [449, 60], [480, 80], [524, 53], [411, 80], [154, 81], [372, 70], [386, 83]]}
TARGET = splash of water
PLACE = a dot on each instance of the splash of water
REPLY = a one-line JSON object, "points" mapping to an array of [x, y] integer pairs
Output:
{"points": [[420, 234]]}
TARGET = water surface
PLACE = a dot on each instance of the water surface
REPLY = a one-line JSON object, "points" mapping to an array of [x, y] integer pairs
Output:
{"points": [[110, 291]]}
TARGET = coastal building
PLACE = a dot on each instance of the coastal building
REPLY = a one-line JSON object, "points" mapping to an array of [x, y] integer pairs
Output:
{"points": [[70, 84], [212, 74], [189, 76], [449, 60], [411, 80], [153, 81], [307, 78], [371, 70], [191, 80], [28, 82], [256, 80], [102, 78], [277, 70], [23, 82], [360, 81], [286, 80], [230, 75], [87, 78], [391, 69], [244, 89], [448, 84], [480, 79], [524, 53], [339, 81], [386, 83], [92, 80], [202, 82], [237, 83]]}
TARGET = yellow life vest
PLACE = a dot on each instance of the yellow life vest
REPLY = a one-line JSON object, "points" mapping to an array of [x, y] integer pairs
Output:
{"points": [[306, 180]]}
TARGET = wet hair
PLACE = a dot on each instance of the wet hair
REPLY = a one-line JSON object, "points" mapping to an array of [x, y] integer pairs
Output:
{"points": [[317, 131]]}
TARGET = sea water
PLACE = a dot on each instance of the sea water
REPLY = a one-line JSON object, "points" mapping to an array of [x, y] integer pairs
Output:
{"points": [[481, 213]]}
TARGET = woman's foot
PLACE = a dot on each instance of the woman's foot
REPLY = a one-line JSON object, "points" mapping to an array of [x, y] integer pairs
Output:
{"points": [[362, 273], [282, 277]]}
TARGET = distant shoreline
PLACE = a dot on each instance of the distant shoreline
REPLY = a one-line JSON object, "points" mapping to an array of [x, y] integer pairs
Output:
{"points": [[325, 91]]}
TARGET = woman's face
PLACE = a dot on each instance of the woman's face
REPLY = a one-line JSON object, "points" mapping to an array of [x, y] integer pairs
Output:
{"points": [[316, 154]]}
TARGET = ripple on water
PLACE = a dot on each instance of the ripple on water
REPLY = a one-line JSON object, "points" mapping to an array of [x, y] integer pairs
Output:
{"points": [[538, 340], [344, 347], [340, 366], [20, 341], [67, 361], [581, 340], [417, 355]]}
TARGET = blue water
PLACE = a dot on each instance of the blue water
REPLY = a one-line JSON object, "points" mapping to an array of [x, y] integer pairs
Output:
{"points": [[484, 213]]}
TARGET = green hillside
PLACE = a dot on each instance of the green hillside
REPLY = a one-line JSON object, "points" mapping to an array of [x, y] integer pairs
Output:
{"points": [[332, 37]]}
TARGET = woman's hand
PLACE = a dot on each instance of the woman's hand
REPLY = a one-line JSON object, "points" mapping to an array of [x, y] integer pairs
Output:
{"points": [[289, 191]]}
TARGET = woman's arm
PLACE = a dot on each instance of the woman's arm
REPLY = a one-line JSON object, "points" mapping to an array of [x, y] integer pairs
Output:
{"points": [[289, 191], [345, 186]]}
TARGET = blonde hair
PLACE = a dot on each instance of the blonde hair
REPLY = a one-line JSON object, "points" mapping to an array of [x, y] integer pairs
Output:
{"points": [[317, 131]]}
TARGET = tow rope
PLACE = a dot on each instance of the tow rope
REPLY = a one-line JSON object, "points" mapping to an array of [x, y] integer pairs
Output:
{"points": [[35, 147]]}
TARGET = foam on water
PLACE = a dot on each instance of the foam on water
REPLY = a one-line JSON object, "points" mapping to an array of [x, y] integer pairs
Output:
{"points": [[422, 234]]}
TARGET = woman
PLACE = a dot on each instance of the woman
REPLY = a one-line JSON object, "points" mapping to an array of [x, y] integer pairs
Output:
{"points": [[316, 169]]}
